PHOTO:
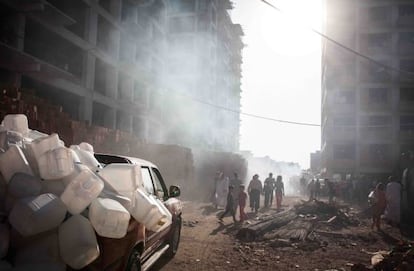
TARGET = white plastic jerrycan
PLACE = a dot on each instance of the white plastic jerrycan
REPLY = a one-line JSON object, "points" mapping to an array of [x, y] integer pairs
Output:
{"points": [[36, 148], [77, 242], [109, 218], [56, 164], [23, 185], [13, 161], [123, 179], [34, 215], [16, 122], [8, 138], [87, 158], [81, 191], [145, 210]]}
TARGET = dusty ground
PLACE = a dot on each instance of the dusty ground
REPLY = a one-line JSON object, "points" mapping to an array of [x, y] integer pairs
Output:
{"points": [[209, 245]]}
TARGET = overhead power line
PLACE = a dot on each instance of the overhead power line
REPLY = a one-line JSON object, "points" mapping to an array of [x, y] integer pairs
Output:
{"points": [[390, 68]]}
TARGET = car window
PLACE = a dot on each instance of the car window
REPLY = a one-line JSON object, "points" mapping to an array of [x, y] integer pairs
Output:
{"points": [[160, 188], [147, 180]]}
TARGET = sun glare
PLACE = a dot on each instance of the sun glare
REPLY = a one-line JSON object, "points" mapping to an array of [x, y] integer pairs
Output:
{"points": [[289, 32]]}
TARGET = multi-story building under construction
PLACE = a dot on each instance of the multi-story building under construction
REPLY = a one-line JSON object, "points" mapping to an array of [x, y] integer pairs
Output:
{"points": [[118, 64], [367, 106]]}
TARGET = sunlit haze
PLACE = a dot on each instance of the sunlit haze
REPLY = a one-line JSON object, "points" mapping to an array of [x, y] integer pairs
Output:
{"points": [[281, 77]]}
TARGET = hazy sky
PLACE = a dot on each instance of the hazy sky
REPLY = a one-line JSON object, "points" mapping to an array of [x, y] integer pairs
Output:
{"points": [[281, 77]]}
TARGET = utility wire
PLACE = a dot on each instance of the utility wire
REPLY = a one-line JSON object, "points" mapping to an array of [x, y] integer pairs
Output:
{"points": [[391, 68], [251, 115]]}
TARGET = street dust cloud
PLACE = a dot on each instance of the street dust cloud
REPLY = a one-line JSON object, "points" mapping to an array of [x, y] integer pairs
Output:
{"points": [[262, 166]]}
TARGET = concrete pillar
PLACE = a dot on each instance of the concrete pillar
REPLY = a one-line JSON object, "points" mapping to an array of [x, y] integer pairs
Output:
{"points": [[111, 79], [116, 7], [125, 121], [88, 72], [110, 118]]}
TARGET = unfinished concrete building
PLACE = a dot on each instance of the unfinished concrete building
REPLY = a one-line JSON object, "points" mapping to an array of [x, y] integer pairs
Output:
{"points": [[367, 109], [105, 63], [204, 73]]}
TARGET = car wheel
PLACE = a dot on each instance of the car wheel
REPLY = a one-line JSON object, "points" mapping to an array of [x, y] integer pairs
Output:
{"points": [[134, 261], [174, 240]]}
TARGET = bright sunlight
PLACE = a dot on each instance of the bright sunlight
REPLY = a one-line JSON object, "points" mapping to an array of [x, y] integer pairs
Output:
{"points": [[291, 27]]}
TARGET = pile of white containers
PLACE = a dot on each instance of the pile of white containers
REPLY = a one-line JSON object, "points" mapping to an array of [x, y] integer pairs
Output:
{"points": [[54, 200]]}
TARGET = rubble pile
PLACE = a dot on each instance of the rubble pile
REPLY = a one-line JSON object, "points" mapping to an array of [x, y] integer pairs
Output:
{"points": [[56, 200], [401, 258], [293, 226]]}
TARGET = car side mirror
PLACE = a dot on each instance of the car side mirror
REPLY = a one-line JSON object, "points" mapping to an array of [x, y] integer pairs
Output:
{"points": [[174, 191]]}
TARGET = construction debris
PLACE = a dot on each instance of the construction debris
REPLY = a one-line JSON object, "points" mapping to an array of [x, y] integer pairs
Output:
{"points": [[400, 258]]}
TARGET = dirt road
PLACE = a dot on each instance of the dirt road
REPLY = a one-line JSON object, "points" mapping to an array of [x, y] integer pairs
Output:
{"points": [[209, 245]]}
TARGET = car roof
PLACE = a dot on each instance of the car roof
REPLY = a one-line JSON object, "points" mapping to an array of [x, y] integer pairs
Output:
{"points": [[114, 158]]}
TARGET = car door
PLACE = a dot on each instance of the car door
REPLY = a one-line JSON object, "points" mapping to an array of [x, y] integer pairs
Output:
{"points": [[155, 189]]}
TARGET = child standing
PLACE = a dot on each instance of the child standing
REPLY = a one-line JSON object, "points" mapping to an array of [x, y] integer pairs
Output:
{"points": [[229, 206], [242, 202], [378, 201]]}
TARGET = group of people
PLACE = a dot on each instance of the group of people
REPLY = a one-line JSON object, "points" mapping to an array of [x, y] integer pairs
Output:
{"points": [[231, 194], [269, 187], [386, 200]]}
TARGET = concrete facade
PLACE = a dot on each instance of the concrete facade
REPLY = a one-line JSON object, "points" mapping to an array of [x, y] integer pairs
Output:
{"points": [[106, 62], [367, 110], [205, 68]]}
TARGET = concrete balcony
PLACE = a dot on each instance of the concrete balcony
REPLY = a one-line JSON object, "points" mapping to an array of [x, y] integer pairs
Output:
{"points": [[46, 12], [340, 133], [374, 134]]}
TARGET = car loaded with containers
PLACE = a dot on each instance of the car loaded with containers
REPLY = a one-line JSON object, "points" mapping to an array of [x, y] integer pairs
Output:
{"points": [[70, 208]]}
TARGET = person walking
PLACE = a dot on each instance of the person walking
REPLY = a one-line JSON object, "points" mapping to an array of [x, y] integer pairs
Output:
{"points": [[280, 191], [229, 205], [235, 182], [255, 189], [378, 202], [222, 189], [317, 189], [393, 197], [242, 203], [311, 188], [269, 185]]}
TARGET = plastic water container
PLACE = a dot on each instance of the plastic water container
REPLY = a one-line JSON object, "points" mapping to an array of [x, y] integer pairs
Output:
{"points": [[43, 144], [124, 201], [75, 157], [109, 218], [55, 164], [16, 122], [147, 212], [81, 191], [167, 219], [158, 218], [77, 242], [42, 248], [55, 187], [86, 147], [38, 147], [4, 239], [24, 185], [86, 157], [33, 135], [34, 215], [13, 161], [123, 179], [8, 138]]}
